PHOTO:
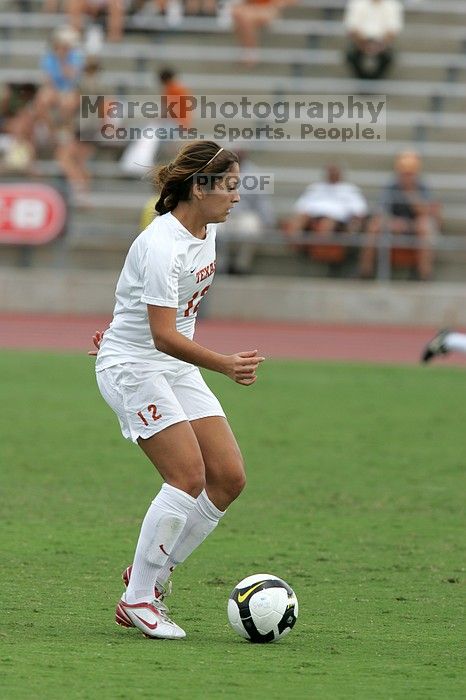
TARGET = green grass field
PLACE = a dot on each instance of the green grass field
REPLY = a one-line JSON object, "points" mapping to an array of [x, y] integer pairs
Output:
{"points": [[356, 496]]}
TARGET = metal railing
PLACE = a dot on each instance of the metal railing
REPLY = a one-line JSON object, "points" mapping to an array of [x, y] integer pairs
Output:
{"points": [[383, 244]]}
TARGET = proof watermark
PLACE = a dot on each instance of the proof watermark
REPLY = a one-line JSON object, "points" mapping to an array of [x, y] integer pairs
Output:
{"points": [[239, 119], [227, 183]]}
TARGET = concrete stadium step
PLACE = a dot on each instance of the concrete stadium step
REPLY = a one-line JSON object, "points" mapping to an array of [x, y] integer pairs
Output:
{"points": [[417, 40], [109, 207], [429, 8], [434, 104], [315, 27], [269, 40], [109, 178], [439, 156], [288, 192], [425, 7], [304, 12], [415, 93], [141, 57], [447, 158], [177, 49]]}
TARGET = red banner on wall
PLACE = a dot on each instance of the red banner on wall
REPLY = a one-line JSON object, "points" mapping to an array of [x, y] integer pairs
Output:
{"points": [[30, 214]]}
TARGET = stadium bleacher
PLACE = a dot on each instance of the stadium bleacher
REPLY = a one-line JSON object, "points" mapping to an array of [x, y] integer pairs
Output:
{"points": [[302, 53]]}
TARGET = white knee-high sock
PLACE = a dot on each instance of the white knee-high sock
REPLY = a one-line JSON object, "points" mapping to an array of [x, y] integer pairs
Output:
{"points": [[201, 521], [161, 528], [455, 342]]}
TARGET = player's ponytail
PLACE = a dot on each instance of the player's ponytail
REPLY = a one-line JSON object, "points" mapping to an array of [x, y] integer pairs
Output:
{"points": [[174, 181], [170, 188]]}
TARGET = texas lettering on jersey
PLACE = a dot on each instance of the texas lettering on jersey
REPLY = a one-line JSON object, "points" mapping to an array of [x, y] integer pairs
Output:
{"points": [[165, 266], [205, 272]]}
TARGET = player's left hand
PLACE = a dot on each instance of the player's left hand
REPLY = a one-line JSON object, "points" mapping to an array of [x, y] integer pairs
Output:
{"points": [[96, 339]]}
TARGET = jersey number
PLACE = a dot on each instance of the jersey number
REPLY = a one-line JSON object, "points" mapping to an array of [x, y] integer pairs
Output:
{"points": [[193, 306], [152, 411]]}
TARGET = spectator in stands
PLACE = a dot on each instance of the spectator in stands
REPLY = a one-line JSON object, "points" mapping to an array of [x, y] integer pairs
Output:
{"points": [[249, 17], [239, 235], [110, 12], [206, 8], [406, 207], [141, 154], [330, 208], [175, 90], [17, 150], [14, 97], [372, 26], [5, 97], [51, 6], [57, 100], [174, 10], [77, 145]]}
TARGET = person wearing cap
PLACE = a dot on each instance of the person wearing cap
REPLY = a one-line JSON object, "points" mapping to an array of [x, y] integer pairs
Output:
{"points": [[63, 66], [63, 62], [406, 208]]}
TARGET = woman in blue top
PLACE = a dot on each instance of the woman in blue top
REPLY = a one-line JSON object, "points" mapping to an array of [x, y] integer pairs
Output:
{"points": [[63, 65]]}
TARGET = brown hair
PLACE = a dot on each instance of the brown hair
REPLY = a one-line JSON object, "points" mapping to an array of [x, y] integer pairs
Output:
{"points": [[174, 181]]}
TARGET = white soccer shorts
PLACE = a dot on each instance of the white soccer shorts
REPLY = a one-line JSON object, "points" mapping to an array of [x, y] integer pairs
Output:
{"points": [[147, 400]]}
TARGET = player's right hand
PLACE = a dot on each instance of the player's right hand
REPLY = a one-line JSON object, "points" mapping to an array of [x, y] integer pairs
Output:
{"points": [[242, 366], [96, 339]]}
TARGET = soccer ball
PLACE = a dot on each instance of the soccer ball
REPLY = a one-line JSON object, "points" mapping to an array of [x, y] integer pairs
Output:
{"points": [[262, 608]]}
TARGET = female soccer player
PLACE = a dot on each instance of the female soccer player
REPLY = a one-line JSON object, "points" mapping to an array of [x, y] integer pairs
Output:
{"points": [[147, 371]]}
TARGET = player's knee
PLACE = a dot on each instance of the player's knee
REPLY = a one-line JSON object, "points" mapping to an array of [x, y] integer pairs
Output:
{"points": [[193, 486], [192, 479], [239, 484], [236, 483]]}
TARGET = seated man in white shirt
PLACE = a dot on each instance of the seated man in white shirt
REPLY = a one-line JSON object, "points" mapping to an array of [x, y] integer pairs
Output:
{"points": [[329, 208], [372, 26]]}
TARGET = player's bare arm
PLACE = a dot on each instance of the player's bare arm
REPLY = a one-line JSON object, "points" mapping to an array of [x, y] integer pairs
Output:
{"points": [[240, 367]]}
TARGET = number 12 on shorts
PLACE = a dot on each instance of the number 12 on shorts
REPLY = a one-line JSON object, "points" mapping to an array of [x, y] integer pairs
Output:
{"points": [[152, 411]]}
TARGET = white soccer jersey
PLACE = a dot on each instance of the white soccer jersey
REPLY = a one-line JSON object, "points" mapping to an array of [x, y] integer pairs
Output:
{"points": [[165, 266]]}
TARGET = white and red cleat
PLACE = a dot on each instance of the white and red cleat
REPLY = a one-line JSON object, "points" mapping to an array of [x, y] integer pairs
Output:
{"points": [[151, 618], [126, 574], [127, 620]]}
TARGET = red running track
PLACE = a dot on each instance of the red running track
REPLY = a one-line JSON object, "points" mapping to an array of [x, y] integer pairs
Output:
{"points": [[279, 340]]}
